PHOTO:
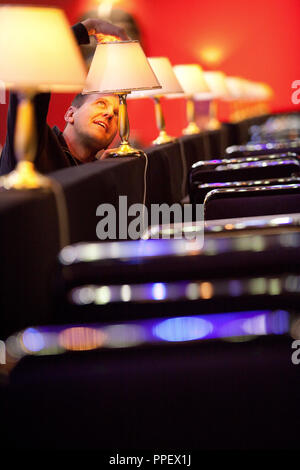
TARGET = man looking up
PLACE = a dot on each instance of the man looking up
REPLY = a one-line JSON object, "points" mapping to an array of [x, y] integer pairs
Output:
{"points": [[91, 120]]}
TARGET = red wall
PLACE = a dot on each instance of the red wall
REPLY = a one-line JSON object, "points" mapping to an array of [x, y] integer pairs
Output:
{"points": [[257, 40]]}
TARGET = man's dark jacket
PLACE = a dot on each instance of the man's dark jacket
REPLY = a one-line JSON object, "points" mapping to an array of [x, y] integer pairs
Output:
{"points": [[52, 151]]}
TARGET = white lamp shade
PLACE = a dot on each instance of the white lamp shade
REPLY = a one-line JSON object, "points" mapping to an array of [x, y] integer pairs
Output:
{"points": [[191, 78], [261, 91], [217, 84], [251, 90], [38, 50], [120, 67], [235, 87], [163, 70]]}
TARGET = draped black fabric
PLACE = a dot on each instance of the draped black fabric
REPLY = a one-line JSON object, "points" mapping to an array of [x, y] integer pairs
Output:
{"points": [[29, 221], [208, 396]]}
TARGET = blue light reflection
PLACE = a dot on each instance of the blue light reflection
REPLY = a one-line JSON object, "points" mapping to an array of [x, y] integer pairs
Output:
{"points": [[183, 329]]}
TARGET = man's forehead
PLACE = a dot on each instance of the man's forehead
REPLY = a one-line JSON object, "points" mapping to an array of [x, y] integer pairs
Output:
{"points": [[109, 98]]}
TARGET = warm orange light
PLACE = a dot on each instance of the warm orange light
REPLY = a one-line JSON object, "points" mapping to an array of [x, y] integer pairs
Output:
{"points": [[206, 290], [81, 338], [211, 55], [107, 38]]}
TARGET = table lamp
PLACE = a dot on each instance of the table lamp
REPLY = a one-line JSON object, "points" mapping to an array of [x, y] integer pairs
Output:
{"points": [[261, 93], [191, 78], [163, 70], [216, 82], [38, 54], [237, 94], [120, 68]]}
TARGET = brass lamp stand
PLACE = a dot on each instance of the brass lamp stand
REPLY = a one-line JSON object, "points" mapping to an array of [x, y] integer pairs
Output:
{"points": [[163, 137], [192, 127], [25, 144], [124, 149], [213, 123]]}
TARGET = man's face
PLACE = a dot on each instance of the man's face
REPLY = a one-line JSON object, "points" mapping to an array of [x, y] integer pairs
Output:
{"points": [[96, 120]]}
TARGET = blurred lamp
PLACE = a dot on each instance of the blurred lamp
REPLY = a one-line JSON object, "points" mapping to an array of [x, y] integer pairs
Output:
{"points": [[120, 68], [235, 87], [216, 82], [191, 78], [38, 54], [238, 97], [163, 70], [248, 98]]}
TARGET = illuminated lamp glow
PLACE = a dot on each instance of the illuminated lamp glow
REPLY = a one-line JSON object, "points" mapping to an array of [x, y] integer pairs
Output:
{"points": [[211, 55], [206, 290], [255, 326], [102, 295], [279, 322], [158, 291], [14, 346], [274, 287], [126, 293], [68, 255], [80, 338], [89, 252], [258, 243], [192, 291], [33, 340], [183, 329], [244, 244], [258, 286], [83, 295]]}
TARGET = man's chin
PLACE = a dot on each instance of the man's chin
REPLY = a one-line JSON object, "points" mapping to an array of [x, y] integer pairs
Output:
{"points": [[98, 139], [100, 142]]}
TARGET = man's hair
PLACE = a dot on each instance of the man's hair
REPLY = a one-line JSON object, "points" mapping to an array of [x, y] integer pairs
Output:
{"points": [[79, 100]]}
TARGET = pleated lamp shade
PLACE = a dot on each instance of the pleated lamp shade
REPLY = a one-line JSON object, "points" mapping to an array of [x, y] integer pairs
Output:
{"points": [[191, 78], [217, 84], [120, 67], [235, 87], [164, 72], [38, 50]]}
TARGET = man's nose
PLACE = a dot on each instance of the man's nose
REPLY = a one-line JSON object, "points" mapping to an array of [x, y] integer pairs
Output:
{"points": [[109, 112]]}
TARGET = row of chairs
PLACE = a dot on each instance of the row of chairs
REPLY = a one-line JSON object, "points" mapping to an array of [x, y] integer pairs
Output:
{"points": [[230, 187]]}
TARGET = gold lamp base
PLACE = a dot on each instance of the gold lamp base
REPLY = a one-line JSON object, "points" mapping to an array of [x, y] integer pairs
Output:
{"points": [[213, 124], [124, 150], [163, 138], [24, 177], [192, 128]]}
